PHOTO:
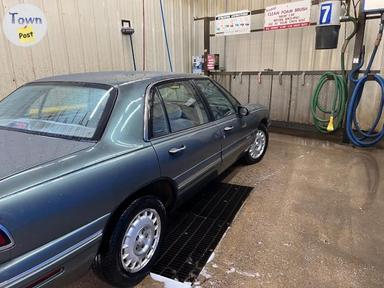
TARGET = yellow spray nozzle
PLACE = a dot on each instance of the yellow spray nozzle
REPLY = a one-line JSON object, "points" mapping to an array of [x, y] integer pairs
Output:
{"points": [[330, 127]]}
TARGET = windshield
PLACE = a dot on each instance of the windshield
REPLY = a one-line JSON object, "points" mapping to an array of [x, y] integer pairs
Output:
{"points": [[60, 110]]}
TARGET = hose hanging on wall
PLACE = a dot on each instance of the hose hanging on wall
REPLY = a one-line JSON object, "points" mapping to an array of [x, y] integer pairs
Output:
{"points": [[358, 136], [166, 36], [336, 112]]}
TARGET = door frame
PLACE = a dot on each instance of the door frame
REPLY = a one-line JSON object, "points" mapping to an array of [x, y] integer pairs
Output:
{"points": [[148, 100]]}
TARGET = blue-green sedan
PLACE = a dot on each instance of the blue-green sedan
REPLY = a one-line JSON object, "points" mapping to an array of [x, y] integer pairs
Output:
{"points": [[91, 164]]}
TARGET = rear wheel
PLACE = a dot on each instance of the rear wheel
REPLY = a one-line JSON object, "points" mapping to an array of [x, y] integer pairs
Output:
{"points": [[258, 148], [133, 246]]}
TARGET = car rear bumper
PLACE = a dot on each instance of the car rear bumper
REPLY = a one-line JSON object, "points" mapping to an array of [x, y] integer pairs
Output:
{"points": [[45, 267]]}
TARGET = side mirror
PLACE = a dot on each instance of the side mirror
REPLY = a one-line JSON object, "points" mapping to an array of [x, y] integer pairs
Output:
{"points": [[243, 111]]}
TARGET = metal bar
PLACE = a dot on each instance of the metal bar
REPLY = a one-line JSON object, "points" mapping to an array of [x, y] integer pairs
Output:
{"points": [[144, 27], [313, 72], [270, 94], [253, 12], [312, 24], [290, 98], [166, 36], [133, 53], [203, 18], [372, 17], [359, 42], [249, 89], [207, 44]]}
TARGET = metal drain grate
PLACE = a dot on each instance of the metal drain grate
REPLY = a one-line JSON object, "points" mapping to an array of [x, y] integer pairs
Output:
{"points": [[196, 229]]}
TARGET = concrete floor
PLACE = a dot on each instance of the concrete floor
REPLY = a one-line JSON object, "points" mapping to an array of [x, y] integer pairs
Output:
{"points": [[314, 219]]}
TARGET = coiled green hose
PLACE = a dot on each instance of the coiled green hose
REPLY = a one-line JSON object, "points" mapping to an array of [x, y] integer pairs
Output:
{"points": [[335, 119], [333, 116]]}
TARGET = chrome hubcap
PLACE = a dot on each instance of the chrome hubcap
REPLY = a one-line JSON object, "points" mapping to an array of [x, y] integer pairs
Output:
{"points": [[258, 146], [141, 240]]}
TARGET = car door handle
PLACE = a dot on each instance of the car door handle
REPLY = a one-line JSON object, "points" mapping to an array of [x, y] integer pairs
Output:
{"points": [[228, 128], [174, 151]]}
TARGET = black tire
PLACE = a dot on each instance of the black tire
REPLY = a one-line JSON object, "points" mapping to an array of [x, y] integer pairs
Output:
{"points": [[108, 263], [248, 159]]}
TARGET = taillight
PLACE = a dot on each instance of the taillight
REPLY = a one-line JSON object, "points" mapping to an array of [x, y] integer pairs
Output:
{"points": [[5, 239]]}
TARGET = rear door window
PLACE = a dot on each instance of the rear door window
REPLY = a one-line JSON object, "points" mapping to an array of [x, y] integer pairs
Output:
{"points": [[183, 106], [159, 123]]}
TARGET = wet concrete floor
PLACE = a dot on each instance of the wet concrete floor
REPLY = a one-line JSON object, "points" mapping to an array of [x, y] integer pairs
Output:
{"points": [[314, 219]]}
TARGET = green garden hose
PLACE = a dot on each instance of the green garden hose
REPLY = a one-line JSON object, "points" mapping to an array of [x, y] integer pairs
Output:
{"points": [[336, 113], [333, 116]]}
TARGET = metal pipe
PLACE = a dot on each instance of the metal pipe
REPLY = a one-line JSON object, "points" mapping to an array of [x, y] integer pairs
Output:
{"points": [[295, 73], [133, 53], [165, 36], [143, 35]]}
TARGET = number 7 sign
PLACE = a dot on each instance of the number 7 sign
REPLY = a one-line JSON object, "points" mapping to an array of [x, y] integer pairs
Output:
{"points": [[325, 13]]}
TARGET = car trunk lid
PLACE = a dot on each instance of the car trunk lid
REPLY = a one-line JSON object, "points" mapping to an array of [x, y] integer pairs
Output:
{"points": [[21, 151]]}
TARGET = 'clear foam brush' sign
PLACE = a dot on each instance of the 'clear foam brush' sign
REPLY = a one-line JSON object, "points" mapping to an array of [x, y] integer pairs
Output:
{"points": [[289, 15], [24, 25]]}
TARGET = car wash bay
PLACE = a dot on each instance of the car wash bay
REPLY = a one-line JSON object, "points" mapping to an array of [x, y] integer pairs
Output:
{"points": [[314, 219], [310, 214]]}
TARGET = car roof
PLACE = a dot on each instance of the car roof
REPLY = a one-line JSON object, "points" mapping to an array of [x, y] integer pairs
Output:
{"points": [[116, 78]]}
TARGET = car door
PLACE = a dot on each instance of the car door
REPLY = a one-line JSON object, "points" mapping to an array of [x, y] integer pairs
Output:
{"points": [[236, 135], [187, 143]]}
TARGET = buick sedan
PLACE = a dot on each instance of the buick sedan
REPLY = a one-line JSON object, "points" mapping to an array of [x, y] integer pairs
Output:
{"points": [[91, 164]]}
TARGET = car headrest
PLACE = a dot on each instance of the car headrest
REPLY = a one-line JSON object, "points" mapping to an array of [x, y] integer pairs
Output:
{"points": [[174, 111]]}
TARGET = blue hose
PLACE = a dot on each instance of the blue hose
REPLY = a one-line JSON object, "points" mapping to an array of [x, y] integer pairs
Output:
{"points": [[358, 136]]}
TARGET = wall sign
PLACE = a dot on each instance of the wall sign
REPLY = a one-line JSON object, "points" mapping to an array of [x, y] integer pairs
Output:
{"points": [[25, 25], [213, 62], [329, 13], [325, 14], [233, 23], [289, 15], [197, 64], [373, 6]]}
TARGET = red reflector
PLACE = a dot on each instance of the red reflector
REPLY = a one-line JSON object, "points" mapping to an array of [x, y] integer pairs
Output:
{"points": [[45, 277], [4, 240]]}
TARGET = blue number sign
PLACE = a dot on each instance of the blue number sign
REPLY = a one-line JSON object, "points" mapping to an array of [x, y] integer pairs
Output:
{"points": [[325, 13]]}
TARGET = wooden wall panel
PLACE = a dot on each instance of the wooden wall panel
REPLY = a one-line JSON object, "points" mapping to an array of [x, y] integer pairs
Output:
{"points": [[21, 58], [7, 72], [280, 98], [57, 43], [260, 92], [288, 50], [85, 36], [239, 87]]}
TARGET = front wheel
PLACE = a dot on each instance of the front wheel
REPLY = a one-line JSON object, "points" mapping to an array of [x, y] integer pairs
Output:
{"points": [[258, 148], [133, 245]]}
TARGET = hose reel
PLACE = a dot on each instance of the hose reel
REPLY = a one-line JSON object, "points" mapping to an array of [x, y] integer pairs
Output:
{"points": [[327, 38], [357, 135]]}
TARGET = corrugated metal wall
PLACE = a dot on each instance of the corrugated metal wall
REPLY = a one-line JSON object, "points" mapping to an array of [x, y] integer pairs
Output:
{"points": [[84, 35], [291, 49], [285, 50]]}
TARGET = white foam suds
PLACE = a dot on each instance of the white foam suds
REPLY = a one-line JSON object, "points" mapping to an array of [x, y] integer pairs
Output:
{"points": [[211, 257], [204, 273], [170, 283]]}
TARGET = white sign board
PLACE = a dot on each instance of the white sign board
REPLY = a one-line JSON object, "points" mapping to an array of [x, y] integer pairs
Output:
{"points": [[233, 23], [373, 5], [25, 25], [289, 15]]}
